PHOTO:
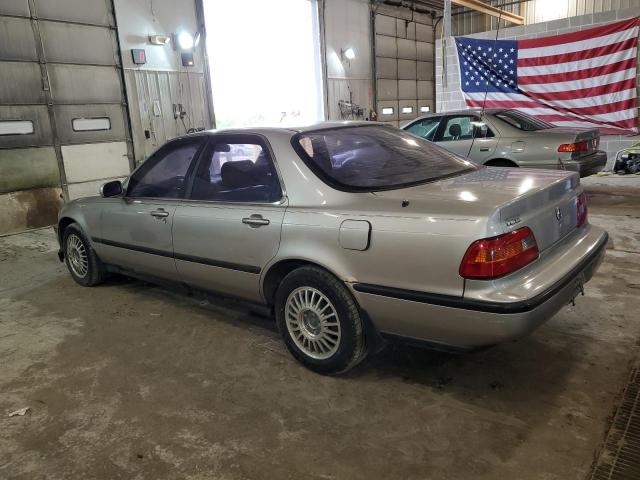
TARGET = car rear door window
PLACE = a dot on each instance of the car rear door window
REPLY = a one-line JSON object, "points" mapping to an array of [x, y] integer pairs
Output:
{"points": [[464, 127], [164, 174], [522, 121], [240, 171], [425, 128]]}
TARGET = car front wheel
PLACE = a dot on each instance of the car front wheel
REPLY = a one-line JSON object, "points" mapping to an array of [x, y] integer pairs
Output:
{"points": [[84, 265], [319, 321]]}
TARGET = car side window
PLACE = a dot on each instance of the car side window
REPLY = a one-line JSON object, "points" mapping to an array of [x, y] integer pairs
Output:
{"points": [[236, 172], [163, 175], [425, 128], [464, 127]]}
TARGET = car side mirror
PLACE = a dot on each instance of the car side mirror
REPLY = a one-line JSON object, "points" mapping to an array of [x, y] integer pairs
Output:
{"points": [[111, 189]]}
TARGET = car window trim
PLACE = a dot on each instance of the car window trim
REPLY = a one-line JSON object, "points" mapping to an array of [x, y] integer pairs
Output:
{"points": [[190, 170], [323, 177], [220, 138]]}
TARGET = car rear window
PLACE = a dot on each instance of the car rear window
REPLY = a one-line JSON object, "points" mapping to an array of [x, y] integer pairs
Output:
{"points": [[375, 157], [522, 121]]}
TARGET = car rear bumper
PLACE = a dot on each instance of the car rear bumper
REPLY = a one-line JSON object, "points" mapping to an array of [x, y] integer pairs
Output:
{"points": [[588, 165], [500, 311]]}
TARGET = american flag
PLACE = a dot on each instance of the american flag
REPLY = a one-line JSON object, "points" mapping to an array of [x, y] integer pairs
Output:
{"points": [[580, 79]]}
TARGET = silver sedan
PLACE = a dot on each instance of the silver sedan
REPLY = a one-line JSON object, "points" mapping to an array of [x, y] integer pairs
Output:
{"points": [[351, 233], [509, 138]]}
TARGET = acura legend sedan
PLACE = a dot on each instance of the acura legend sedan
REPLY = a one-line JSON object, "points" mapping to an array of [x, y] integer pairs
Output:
{"points": [[350, 232], [510, 138]]}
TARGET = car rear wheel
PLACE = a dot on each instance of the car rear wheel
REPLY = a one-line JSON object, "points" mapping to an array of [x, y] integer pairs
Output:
{"points": [[320, 321], [84, 265], [501, 163]]}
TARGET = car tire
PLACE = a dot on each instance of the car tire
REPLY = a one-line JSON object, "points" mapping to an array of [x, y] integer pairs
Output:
{"points": [[329, 338], [82, 262], [501, 163]]}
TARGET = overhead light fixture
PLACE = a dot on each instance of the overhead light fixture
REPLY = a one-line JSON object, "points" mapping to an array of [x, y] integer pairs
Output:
{"points": [[185, 40], [159, 39]]}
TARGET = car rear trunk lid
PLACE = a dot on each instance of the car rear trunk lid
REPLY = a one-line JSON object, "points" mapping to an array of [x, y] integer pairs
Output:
{"points": [[549, 211], [591, 137]]}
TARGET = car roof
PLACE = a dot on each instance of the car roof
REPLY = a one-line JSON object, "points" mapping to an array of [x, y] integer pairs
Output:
{"points": [[290, 129]]}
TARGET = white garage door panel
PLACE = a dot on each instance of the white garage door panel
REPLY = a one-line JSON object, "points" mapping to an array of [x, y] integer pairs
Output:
{"points": [[83, 11], [386, 46], [88, 189], [406, 49], [15, 7], [425, 51], [407, 69], [92, 45], [16, 39], [84, 84], [387, 89], [424, 33], [407, 89], [425, 89], [386, 25], [386, 67], [93, 161]]}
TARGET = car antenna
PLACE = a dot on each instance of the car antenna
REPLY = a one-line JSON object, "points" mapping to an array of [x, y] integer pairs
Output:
{"points": [[486, 89]]}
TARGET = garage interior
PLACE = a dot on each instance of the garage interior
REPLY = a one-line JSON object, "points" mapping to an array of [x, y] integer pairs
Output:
{"points": [[133, 380]]}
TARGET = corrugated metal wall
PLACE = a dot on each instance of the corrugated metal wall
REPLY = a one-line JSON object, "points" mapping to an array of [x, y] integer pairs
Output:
{"points": [[404, 59], [165, 88], [153, 88], [59, 66], [534, 11]]}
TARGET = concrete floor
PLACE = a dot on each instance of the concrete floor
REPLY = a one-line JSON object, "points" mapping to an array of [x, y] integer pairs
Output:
{"points": [[128, 380]]}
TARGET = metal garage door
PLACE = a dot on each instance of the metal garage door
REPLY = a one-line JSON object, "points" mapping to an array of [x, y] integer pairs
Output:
{"points": [[404, 67], [63, 120]]}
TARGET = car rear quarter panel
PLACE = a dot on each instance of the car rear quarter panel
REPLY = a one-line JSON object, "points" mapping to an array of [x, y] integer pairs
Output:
{"points": [[415, 253]]}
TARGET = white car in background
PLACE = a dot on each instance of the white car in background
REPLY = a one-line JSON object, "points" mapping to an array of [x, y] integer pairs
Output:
{"points": [[509, 138]]}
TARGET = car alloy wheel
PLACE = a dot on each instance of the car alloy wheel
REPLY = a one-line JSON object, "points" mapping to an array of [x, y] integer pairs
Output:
{"points": [[312, 322], [78, 258]]}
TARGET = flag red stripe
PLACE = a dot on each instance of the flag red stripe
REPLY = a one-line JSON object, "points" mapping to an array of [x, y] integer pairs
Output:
{"points": [[584, 92], [579, 74], [575, 56], [580, 35]]}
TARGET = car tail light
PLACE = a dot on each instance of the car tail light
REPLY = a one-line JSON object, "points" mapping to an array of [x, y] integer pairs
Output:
{"points": [[581, 208], [498, 256], [574, 147]]}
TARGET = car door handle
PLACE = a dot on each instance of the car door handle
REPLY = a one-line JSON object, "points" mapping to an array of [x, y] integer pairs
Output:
{"points": [[160, 213], [484, 149], [255, 221]]}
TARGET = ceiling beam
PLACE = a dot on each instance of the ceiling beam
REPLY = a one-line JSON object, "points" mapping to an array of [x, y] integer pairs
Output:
{"points": [[482, 7]]}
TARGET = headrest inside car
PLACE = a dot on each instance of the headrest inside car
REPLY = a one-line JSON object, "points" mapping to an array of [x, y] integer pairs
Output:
{"points": [[239, 174], [455, 130]]}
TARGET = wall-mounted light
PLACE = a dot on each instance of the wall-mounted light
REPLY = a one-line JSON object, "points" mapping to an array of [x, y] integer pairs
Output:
{"points": [[425, 109], [185, 40], [347, 54], [387, 111], [407, 110], [159, 39]]}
